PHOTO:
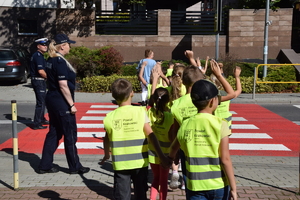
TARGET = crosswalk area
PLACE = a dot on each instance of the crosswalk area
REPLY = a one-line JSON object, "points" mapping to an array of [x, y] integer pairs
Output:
{"points": [[256, 131], [253, 131]]}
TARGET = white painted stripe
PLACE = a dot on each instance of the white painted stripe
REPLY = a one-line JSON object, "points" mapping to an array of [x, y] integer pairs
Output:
{"points": [[85, 145], [92, 118], [90, 126], [243, 126], [104, 106], [259, 147], [98, 111], [90, 134], [232, 112], [298, 106], [6, 121], [250, 135], [297, 122], [238, 119]]}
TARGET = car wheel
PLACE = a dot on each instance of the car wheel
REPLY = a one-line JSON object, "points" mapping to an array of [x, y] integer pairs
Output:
{"points": [[24, 78]]}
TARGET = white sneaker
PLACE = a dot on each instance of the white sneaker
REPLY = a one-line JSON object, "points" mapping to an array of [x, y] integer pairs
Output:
{"points": [[174, 181], [182, 185], [179, 167]]}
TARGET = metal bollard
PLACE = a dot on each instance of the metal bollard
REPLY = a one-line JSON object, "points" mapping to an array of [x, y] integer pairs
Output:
{"points": [[15, 143]]}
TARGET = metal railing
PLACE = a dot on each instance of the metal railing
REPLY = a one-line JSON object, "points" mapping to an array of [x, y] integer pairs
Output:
{"points": [[126, 23], [268, 82]]}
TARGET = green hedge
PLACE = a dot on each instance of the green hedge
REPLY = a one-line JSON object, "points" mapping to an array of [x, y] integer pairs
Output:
{"points": [[278, 73]]}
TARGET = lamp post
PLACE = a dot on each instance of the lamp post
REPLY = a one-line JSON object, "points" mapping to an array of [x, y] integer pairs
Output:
{"points": [[266, 32]]}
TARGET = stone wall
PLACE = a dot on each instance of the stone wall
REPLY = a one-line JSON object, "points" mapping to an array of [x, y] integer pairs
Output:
{"points": [[246, 32]]}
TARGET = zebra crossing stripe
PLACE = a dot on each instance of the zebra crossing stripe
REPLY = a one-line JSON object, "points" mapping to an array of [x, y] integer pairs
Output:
{"points": [[238, 119], [298, 106], [90, 126], [296, 122], [232, 112], [104, 106], [98, 111], [92, 118], [90, 134], [85, 145], [261, 147], [243, 126], [250, 135]]}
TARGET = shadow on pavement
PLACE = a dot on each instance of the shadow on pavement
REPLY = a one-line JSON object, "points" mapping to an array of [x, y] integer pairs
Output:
{"points": [[24, 120], [100, 188], [273, 186], [50, 195]]}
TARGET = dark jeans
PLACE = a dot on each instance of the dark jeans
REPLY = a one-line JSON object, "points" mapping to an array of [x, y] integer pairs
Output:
{"points": [[39, 87], [122, 184], [219, 194]]}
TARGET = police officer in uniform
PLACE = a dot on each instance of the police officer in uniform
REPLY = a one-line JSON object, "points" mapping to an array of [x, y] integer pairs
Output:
{"points": [[61, 78], [38, 82]]}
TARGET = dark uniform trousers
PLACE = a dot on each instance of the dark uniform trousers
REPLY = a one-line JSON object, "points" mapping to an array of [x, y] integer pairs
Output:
{"points": [[39, 87], [62, 123]]}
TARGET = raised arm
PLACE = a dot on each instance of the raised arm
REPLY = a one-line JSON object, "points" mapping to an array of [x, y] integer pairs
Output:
{"points": [[237, 71], [227, 87]]}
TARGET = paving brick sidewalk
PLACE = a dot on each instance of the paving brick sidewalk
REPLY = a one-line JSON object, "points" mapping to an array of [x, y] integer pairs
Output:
{"points": [[103, 192], [257, 177]]}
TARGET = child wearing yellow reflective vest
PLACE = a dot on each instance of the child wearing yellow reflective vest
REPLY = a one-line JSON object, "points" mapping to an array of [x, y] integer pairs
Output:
{"points": [[205, 143], [127, 134], [223, 109], [161, 123]]}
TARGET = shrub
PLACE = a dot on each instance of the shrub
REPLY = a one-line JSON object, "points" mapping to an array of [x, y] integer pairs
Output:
{"points": [[87, 62], [128, 70]]}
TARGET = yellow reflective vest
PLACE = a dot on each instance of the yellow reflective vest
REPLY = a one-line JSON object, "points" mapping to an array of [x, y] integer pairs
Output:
{"points": [[183, 108], [223, 112], [129, 145], [199, 138], [161, 131]]}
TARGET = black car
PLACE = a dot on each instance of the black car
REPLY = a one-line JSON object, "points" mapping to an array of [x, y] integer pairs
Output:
{"points": [[14, 64]]}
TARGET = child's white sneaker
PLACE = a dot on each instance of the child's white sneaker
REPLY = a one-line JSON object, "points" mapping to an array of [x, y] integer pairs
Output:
{"points": [[174, 181]]}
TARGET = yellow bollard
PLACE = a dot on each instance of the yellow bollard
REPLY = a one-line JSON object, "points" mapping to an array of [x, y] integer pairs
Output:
{"points": [[15, 143]]}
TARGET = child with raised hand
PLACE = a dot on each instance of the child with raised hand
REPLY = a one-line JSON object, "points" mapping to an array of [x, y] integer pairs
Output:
{"points": [[127, 134], [223, 109], [190, 55], [161, 123], [206, 148]]}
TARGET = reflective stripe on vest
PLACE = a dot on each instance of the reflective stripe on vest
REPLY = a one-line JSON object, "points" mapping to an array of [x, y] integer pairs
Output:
{"points": [[203, 161], [204, 175], [129, 157], [127, 143]]}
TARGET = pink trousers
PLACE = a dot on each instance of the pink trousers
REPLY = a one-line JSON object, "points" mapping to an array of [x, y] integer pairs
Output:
{"points": [[160, 182]]}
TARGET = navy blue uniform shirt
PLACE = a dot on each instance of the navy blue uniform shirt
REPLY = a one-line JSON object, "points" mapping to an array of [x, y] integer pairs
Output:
{"points": [[57, 70], [37, 63]]}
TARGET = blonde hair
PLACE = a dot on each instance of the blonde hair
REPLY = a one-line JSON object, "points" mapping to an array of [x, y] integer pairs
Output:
{"points": [[53, 52], [176, 82]]}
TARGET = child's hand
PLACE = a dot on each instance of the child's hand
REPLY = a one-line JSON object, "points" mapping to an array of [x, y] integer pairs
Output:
{"points": [[215, 68], [106, 157], [166, 162], [189, 54], [237, 71]]}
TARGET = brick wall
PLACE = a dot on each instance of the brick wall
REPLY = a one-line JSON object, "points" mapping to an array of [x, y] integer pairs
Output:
{"points": [[246, 32]]}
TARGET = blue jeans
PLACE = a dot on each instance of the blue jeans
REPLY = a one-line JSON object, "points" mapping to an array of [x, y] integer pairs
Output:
{"points": [[219, 194]]}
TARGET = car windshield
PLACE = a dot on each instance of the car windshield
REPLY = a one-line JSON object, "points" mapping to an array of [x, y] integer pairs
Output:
{"points": [[7, 55]]}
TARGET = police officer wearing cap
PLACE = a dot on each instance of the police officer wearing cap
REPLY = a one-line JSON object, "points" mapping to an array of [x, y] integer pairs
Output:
{"points": [[38, 82], [61, 78]]}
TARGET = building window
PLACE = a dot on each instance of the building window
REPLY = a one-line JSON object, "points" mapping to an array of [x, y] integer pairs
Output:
{"points": [[27, 27]]}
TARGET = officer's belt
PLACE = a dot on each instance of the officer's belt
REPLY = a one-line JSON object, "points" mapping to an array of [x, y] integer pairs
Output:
{"points": [[38, 78]]}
